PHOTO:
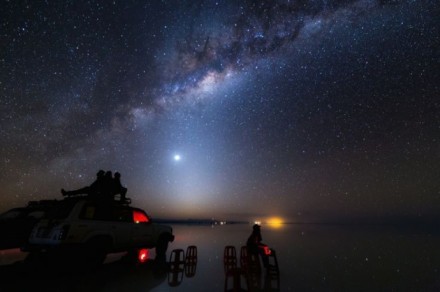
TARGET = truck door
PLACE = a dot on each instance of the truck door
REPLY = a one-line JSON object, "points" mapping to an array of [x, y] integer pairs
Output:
{"points": [[122, 227]]}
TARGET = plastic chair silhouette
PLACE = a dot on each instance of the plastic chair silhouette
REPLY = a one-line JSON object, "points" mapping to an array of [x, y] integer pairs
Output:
{"points": [[272, 268], [243, 257], [250, 264], [229, 258], [177, 264], [272, 279], [253, 263], [191, 261], [177, 259], [191, 254]]}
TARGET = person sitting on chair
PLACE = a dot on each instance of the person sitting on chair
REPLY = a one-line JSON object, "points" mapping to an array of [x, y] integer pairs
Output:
{"points": [[255, 246]]}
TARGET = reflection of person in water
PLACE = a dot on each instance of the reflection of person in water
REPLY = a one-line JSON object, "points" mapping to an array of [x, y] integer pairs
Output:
{"points": [[95, 189], [255, 246]]}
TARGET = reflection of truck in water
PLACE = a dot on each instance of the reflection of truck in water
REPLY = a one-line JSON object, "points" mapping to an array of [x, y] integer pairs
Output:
{"points": [[93, 228]]}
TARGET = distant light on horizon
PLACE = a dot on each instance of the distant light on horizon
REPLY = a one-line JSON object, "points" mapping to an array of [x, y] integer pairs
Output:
{"points": [[275, 222]]}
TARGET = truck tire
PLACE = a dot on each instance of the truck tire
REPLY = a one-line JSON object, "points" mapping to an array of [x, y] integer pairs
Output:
{"points": [[96, 250], [162, 244]]}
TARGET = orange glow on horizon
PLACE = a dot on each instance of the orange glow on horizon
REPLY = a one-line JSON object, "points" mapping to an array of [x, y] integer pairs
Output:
{"points": [[275, 222]]}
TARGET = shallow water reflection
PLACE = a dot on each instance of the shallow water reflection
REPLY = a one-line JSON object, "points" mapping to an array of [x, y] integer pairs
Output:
{"points": [[310, 258], [323, 257]]}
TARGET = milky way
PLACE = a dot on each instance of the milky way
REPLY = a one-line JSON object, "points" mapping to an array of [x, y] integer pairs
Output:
{"points": [[310, 110], [252, 32]]}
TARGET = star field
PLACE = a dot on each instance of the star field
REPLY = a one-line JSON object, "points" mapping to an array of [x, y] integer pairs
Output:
{"points": [[308, 110]]}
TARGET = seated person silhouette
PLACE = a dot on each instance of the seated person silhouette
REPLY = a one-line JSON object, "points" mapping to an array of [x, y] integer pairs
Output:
{"points": [[118, 188], [255, 246], [95, 189], [107, 186]]}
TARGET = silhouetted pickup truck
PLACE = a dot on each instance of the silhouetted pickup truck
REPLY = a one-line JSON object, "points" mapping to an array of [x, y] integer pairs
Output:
{"points": [[93, 228]]}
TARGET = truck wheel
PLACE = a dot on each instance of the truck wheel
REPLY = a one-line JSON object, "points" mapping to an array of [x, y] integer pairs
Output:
{"points": [[96, 250], [162, 245]]}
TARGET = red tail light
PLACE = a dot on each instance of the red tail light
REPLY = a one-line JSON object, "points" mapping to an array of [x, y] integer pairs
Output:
{"points": [[139, 217], [143, 255]]}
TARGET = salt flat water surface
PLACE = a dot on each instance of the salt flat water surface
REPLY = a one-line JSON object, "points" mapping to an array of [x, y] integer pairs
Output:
{"points": [[323, 257], [310, 258]]}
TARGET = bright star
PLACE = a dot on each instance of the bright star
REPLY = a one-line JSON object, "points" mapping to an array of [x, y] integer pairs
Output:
{"points": [[177, 157]]}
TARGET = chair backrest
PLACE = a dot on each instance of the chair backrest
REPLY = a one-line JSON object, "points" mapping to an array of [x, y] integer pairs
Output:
{"points": [[177, 260], [191, 254], [229, 258]]}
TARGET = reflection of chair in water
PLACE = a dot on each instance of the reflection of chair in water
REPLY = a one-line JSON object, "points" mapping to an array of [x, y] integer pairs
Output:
{"points": [[177, 263], [229, 258], [243, 257], [251, 270], [191, 261], [237, 275], [272, 268], [272, 280], [250, 263]]}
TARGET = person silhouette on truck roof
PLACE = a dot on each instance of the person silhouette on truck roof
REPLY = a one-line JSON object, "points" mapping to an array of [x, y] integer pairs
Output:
{"points": [[118, 188], [95, 189]]}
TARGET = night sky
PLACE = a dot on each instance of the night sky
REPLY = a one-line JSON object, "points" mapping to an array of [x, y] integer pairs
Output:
{"points": [[306, 110]]}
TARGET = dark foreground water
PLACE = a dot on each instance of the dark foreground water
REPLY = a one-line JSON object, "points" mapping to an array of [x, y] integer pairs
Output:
{"points": [[310, 258]]}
